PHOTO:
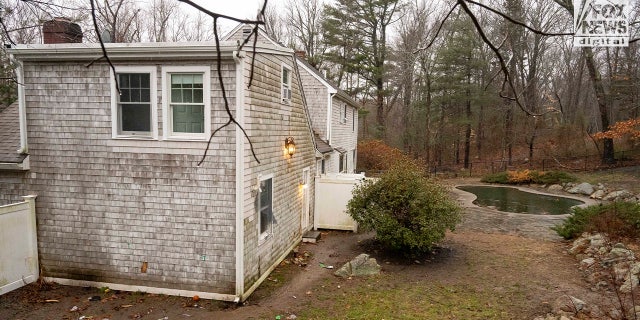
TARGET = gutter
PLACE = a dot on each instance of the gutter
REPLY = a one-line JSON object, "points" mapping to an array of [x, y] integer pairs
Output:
{"points": [[16, 166]]}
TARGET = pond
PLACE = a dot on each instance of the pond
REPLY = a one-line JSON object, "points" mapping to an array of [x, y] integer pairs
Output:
{"points": [[514, 200]]}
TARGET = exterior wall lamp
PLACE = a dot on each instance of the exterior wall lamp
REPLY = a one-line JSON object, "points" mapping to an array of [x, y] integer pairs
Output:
{"points": [[290, 146]]}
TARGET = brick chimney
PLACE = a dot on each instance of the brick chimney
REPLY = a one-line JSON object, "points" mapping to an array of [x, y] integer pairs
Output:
{"points": [[61, 30]]}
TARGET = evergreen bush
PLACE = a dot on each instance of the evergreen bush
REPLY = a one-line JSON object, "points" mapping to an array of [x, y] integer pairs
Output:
{"points": [[408, 212]]}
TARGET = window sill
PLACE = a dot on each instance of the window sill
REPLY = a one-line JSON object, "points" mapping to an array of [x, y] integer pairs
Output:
{"points": [[128, 137], [264, 238], [192, 139]]}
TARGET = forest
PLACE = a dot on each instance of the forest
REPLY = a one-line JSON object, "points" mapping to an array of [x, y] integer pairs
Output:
{"points": [[449, 82]]}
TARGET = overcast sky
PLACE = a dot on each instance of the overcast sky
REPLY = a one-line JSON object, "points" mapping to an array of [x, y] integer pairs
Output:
{"points": [[244, 9]]}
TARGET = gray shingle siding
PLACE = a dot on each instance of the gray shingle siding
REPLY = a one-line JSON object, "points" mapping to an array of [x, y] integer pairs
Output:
{"points": [[102, 213], [269, 127]]}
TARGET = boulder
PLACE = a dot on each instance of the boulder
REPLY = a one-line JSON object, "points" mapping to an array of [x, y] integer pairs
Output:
{"points": [[361, 265], [568, 304], [630, 282], [599, 194], [620, 254], [586, 263], [617, 195], [579, 246], [555, 187], [583, 188]]}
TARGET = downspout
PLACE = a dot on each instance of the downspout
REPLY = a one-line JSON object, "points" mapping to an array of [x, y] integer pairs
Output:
{"points": [[238, 58], [22, 107], [329, 112]]}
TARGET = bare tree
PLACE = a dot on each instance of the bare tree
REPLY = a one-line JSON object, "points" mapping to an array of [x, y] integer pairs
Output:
{"points": [[304, 19], [121, 18]]}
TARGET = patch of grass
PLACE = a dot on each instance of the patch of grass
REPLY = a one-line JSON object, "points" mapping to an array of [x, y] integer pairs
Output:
{"points": [[617, 219], [377, 299], [627, 178]]}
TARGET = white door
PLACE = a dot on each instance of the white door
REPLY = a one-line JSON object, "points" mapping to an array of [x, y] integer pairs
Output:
{"points": [[306, 181]]}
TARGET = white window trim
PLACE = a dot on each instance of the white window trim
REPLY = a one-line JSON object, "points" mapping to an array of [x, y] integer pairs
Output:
{"points": [[264, 236], [343, 114], [153, 84], [284, 99], [167, 131]]}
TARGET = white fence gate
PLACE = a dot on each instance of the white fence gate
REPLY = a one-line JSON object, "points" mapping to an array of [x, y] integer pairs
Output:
{"points": [[333, 192], [18, 245]]}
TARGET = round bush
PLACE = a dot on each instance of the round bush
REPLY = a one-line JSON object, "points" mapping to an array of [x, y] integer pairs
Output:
{"points": [[408, 212]]}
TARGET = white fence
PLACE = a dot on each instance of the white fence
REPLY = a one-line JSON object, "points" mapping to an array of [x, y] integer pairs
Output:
{"points": [[333, 192], [18, 245]]}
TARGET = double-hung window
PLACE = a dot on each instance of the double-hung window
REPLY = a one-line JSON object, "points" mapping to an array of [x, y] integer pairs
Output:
{"points": [[286, 84], [186, 102], [265, 206], [134, 106]]}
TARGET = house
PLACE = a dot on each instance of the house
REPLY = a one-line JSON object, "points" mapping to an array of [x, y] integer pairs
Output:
{"points": [[334, 114], [122, 201]]}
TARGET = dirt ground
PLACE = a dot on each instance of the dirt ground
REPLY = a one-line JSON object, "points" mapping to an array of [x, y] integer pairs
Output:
{"points": [[515, 258]]}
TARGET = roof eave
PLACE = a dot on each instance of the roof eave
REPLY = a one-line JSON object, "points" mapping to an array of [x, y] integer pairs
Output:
{"points": [[135, 51]]}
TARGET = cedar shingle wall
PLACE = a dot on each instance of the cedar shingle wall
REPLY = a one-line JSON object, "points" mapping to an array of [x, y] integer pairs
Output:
{"points": [[269, 121], [316, 95], [343, 135], [106, 206]]}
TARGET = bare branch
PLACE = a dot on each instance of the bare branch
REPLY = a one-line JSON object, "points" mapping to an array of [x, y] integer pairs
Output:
{"points": [[514, 21], [438, 30], [6, 32], [496, 51], [231, 120], [104, 50]]}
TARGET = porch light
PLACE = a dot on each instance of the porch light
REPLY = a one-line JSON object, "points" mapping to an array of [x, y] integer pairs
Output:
{"points": [[290, 146]]}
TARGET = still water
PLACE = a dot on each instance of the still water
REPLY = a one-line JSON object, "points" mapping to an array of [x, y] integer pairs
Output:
{"points": [[513, 200]]}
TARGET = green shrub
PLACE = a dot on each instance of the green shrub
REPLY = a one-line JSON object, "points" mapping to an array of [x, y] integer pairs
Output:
{"points": [[529, 176], [408, 212], [500, 177], [617, 219], [553, 177]]}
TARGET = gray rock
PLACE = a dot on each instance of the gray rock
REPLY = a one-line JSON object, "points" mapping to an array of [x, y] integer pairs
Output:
{"points": [[555, 187], [568, 304], [586, 263], [583, 188], [361, 265], [617, 195], [579, 246], [634, 268], [620, 253], [630, 282], [599, 194]]}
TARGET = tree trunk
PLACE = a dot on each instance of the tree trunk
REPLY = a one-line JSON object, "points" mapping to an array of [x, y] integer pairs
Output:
{"points": [[602, 97]]}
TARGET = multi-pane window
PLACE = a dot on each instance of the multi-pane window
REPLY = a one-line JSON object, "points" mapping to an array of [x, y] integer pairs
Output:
{"points": [[134, 104], [286, 84], [187, 103], [265, 205], [353, 120]]}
